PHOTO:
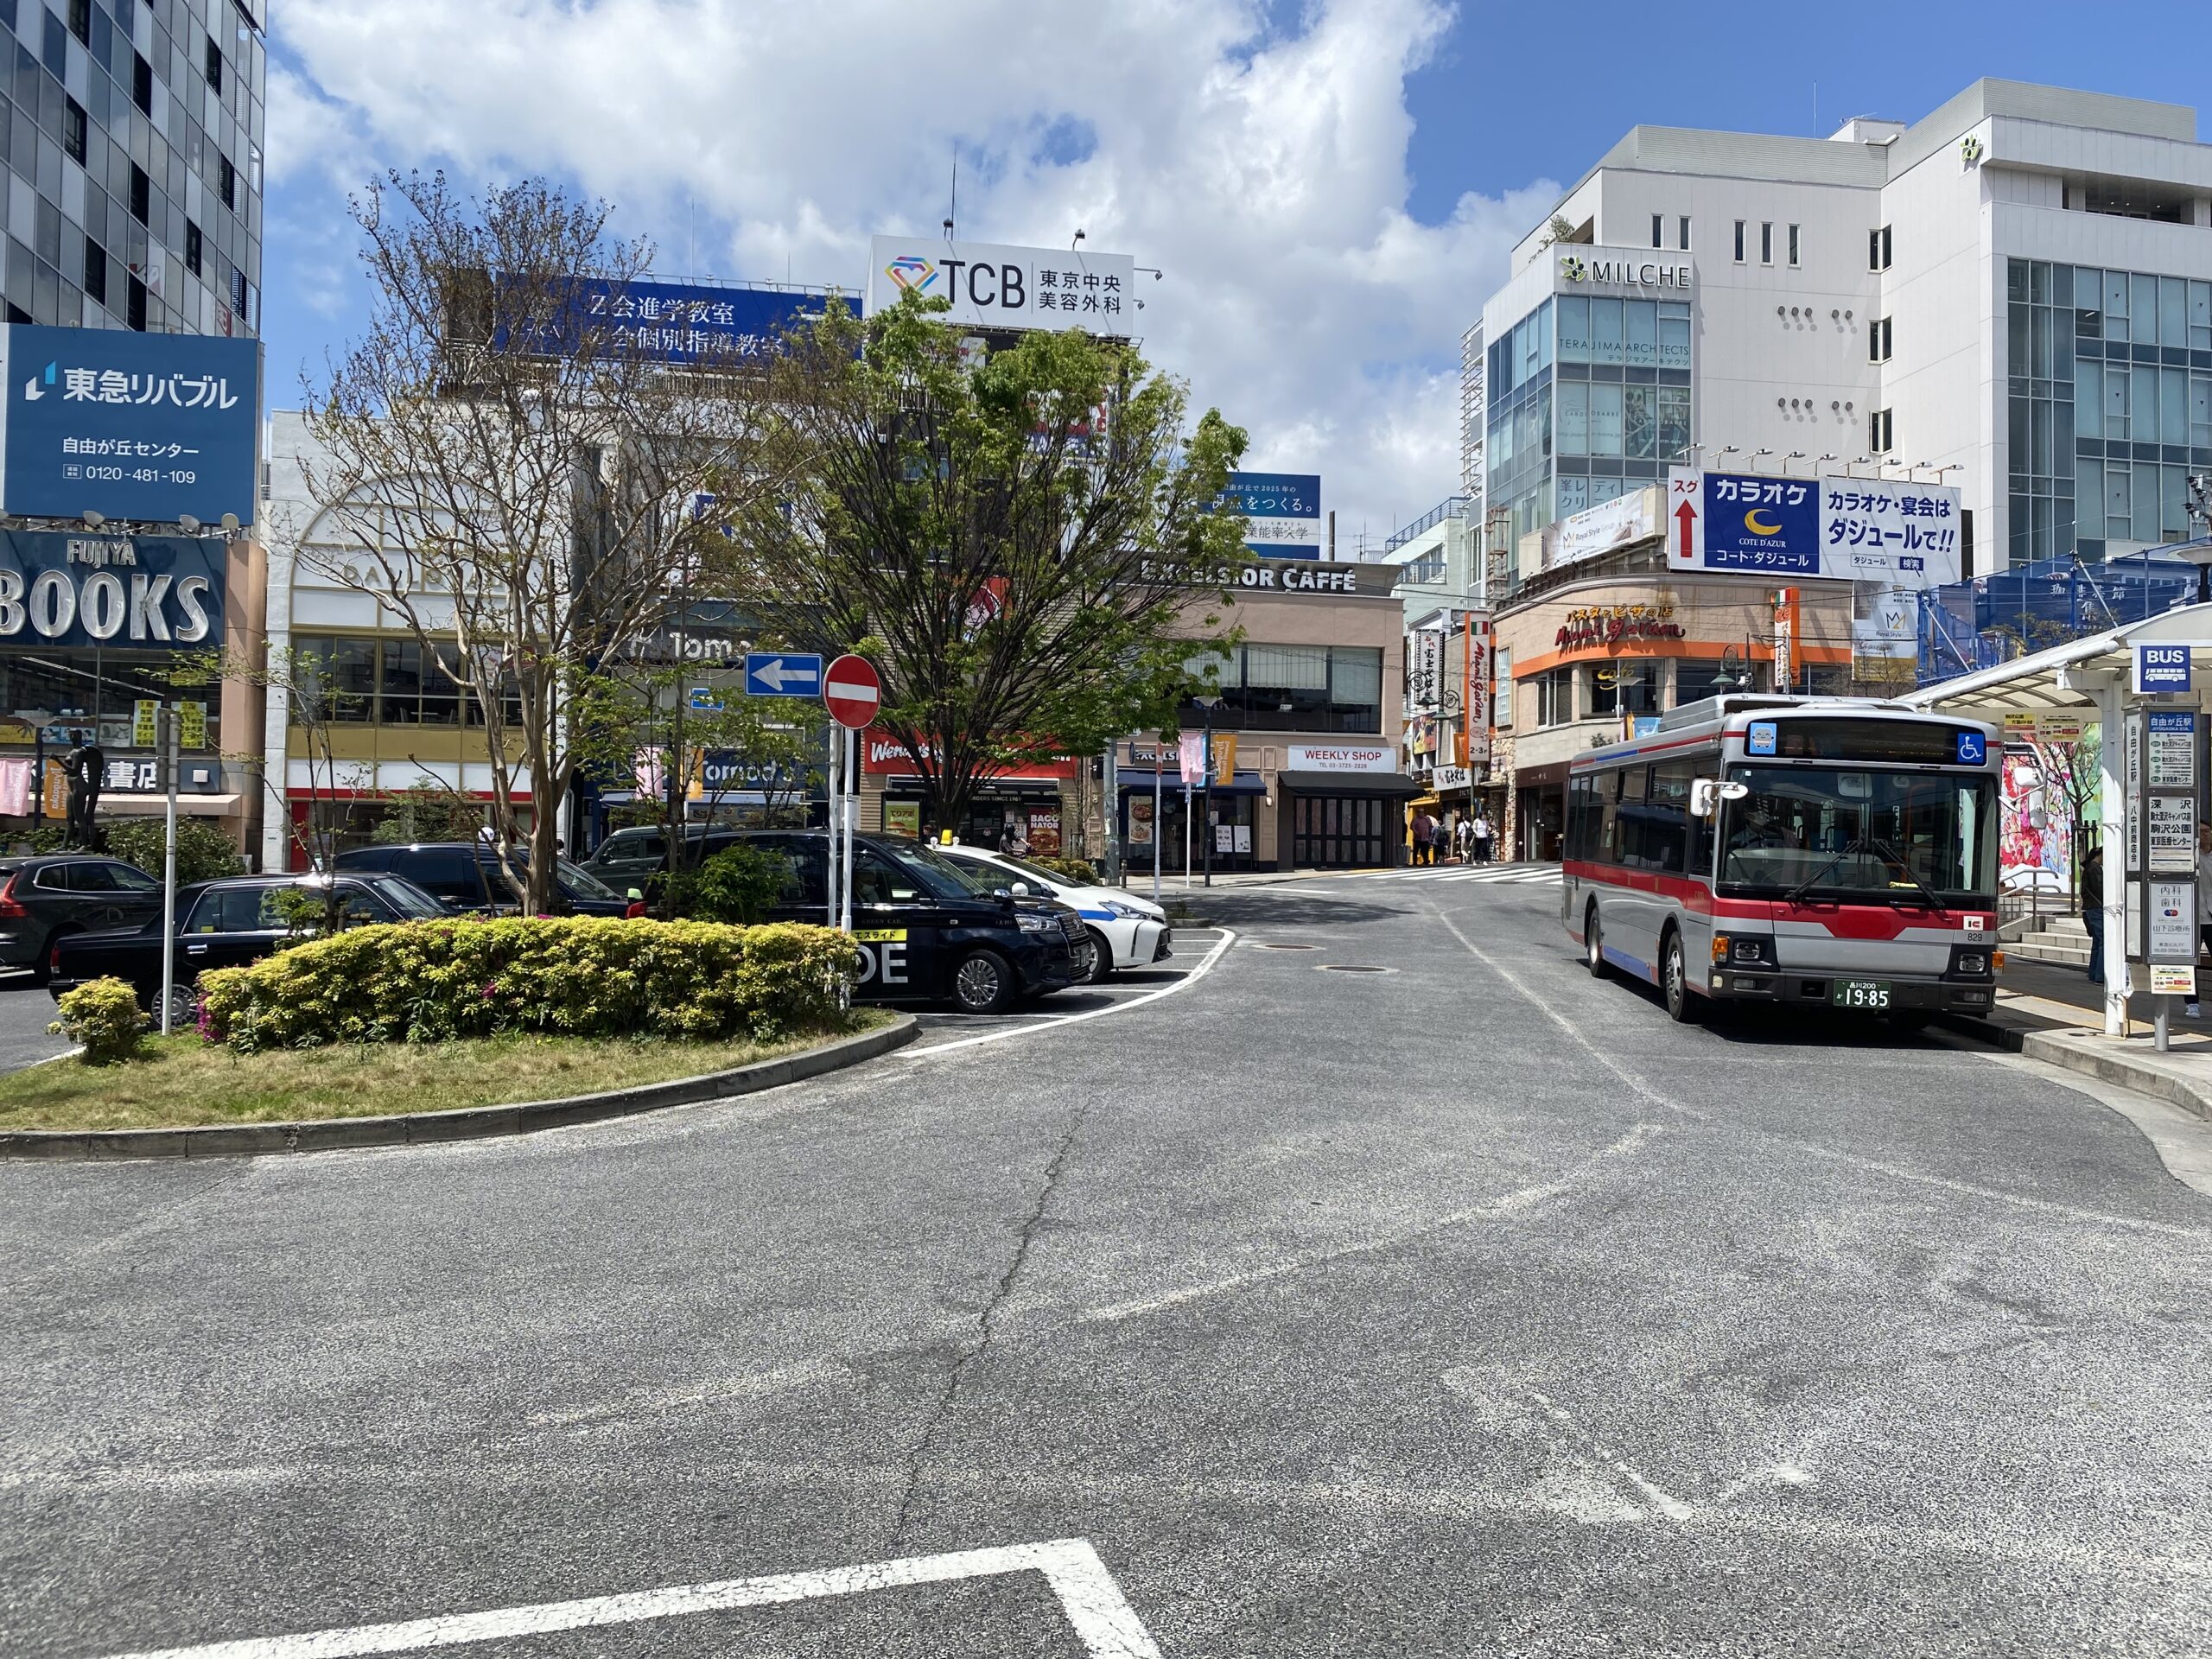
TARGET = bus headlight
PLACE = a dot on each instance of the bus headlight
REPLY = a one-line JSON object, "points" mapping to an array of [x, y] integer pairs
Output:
{"points": [[1744, 950], [1970, 962]]}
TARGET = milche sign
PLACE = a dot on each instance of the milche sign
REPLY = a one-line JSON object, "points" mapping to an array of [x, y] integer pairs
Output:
{"points": [[1623, 271]]}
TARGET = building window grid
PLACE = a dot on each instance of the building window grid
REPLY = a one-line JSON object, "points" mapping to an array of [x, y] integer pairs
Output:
{"points": [[33, 102], [1766, 244], [1683, 233], [1740, 241], [1878, 341], [2136, 419], [1793, 244], [1879, 249]]}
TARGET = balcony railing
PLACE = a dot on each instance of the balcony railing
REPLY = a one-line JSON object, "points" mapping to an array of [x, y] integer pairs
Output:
{"points": [[1451, 508]]}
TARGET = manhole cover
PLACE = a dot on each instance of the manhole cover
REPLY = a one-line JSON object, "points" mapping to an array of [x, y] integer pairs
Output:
{"points": [[1352, 968], [1262, 945]]}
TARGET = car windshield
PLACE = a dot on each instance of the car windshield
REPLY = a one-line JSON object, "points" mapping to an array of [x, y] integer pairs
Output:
{"points": [[1050, 883], [941, 875], [582, 884], [403, 895], [1840, 832]]}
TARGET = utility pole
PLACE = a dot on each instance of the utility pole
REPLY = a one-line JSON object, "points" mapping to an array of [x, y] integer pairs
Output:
{"points": [[169, 751]]}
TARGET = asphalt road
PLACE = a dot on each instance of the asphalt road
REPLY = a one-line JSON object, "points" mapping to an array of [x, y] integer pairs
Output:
{"points": [[1467, 1307], [26, 1010]]}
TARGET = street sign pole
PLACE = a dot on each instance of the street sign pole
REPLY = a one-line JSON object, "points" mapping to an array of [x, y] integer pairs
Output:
{"points": [[835, 823], [168, 865], [1158, 749], [849, 810]]}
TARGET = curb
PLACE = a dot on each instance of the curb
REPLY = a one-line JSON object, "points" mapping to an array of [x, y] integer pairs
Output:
{"points": [[470, 1123], [2092, 1057]]}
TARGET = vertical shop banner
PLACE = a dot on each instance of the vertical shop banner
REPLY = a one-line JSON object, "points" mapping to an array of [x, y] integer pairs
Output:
{"points": [[1884, 635], [1139, 821], [1191, 748], [1785, 640], [1224, 759], [1045, 831]]}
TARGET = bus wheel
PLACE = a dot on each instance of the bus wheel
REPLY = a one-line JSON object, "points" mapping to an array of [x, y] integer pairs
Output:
{"points": [[1594, 948], [1674, 983]]}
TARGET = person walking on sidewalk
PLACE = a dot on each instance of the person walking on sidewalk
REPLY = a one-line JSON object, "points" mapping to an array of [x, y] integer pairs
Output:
{"points": [[1482, 836], [1424, 837], [2093, 909]]}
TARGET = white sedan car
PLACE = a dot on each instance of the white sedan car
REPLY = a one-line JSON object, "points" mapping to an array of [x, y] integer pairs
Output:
{"points": [[1126, 932]]}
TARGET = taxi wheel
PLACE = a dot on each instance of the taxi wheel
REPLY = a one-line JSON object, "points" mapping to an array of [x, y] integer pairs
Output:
{"points": [[184, 1009], [982, 983], [1101, 960]]}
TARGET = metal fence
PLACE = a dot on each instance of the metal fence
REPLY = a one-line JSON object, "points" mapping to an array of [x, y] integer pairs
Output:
{"points": [[1986, 621]]}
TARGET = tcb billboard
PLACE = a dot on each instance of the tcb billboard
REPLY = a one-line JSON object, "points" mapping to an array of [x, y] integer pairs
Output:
{"points": [[135, 427]]}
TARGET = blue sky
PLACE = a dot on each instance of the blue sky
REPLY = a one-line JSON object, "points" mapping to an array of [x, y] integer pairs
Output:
{"points": [[1330, 188]]}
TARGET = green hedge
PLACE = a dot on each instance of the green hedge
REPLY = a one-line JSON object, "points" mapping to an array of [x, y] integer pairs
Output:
{"points": [[573, 976]]}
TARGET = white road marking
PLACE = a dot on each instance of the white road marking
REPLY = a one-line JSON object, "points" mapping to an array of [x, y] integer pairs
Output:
{"points": [[1498, 1209], [1096, 1610], [1206, 966], [1643, 1090]]}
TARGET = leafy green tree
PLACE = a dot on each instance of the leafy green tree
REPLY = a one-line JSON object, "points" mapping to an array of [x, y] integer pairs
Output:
{"points": [[203, 852], [1023, 544]]}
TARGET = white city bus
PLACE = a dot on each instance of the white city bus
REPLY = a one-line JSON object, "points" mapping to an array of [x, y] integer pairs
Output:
{"points": [[1809, 850]]}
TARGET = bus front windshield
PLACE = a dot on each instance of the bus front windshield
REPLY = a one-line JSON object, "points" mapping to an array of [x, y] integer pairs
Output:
{"points": [[1845, 833]]}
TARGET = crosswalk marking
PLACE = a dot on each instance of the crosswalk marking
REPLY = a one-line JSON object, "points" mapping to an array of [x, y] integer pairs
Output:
{"points": [[1508, 872]]}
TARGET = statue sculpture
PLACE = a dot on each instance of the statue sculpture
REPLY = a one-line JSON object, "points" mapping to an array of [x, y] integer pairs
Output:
{"points": [[85, 768]]}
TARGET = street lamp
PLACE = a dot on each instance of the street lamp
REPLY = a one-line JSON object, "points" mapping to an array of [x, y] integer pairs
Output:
{"points": [[1206, 706]]}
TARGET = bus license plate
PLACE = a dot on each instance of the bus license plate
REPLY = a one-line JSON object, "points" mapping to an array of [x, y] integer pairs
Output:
{"points": [[1860, 994]]}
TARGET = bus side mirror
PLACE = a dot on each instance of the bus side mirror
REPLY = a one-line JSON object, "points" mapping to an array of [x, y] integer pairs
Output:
{"points": [[1707, 793]]}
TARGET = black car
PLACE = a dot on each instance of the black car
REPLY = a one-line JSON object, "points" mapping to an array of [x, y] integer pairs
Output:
{"points": [[222, 925], [465, 875], [926, 929], [42, 900], [633, 857]]}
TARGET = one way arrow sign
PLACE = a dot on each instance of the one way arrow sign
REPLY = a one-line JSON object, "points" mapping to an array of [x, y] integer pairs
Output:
{"points": [[781, 674]]}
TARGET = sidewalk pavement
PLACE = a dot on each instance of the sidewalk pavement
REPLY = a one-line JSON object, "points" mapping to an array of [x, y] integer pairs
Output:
{"points": [[2049, 1011]]}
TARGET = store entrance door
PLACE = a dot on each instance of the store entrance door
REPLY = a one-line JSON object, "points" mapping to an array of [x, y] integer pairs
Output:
{"points": [[1342, 832]]}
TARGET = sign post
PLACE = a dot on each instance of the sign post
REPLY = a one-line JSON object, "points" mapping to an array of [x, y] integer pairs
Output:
{"points": [[852, 691], [168, 722], [2161, 835]]}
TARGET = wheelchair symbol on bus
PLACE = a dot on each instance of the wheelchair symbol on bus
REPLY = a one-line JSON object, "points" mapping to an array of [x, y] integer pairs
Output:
{"points": [[1972, 749]]}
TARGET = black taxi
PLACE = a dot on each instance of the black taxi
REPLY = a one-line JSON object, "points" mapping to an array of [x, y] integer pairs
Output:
{"points": [[928, 929]]}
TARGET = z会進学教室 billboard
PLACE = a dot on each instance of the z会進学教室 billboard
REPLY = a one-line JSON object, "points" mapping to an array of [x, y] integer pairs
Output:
{"points": [[138, 428]]}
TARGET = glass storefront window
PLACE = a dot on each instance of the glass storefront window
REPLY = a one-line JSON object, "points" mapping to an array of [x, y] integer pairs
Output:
{"points": [[1608, 345], [1573, 329], [1574, 405], [1606, 417], [1641, 318], [1673, 422], [1640, 424], [1674, 335]]}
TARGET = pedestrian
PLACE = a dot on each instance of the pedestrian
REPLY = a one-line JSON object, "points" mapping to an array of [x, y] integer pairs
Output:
{"points": [[1483, 836], [1464, 834], [2093, 909], [1424, 837]]}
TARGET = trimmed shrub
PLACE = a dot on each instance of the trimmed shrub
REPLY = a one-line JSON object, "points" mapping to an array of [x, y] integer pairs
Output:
{"points": [[1079, 872], [103, 1015], [739, 884], [567, 976]]}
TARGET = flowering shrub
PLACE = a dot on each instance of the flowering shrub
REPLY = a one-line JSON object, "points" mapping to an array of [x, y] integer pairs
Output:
{"points": [[570, 975], [103, 1015]]}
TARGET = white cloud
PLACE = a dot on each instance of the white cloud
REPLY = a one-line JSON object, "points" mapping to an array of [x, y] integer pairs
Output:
{"points": [[1264, 169]]}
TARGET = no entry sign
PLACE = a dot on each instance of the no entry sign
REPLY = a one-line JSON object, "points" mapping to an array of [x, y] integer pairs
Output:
{"points": [[852, 691]]}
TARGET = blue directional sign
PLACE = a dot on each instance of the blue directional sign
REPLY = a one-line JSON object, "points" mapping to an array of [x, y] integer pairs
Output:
{"points": [[2161, 668], [782, 674]]}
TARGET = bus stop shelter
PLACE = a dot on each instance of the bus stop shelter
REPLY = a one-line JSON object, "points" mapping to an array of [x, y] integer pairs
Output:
{"points": [[2090, 677]]}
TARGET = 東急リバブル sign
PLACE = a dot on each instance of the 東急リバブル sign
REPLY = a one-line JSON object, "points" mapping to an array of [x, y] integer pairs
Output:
{"points": [[137, 427], [150, 592], [990, 286]]}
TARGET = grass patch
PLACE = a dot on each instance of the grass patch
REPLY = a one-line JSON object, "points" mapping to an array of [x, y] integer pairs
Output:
{"points": [[179, 1082]]}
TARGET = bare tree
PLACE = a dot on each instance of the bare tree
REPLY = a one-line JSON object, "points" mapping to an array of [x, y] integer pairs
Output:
{"points": [[1024, 545], [513, 467]]}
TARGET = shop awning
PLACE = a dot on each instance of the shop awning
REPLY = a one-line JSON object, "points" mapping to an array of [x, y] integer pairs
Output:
{"points": [[1351, 782], [2066, 677], [1139, 782], [190, 806]]}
